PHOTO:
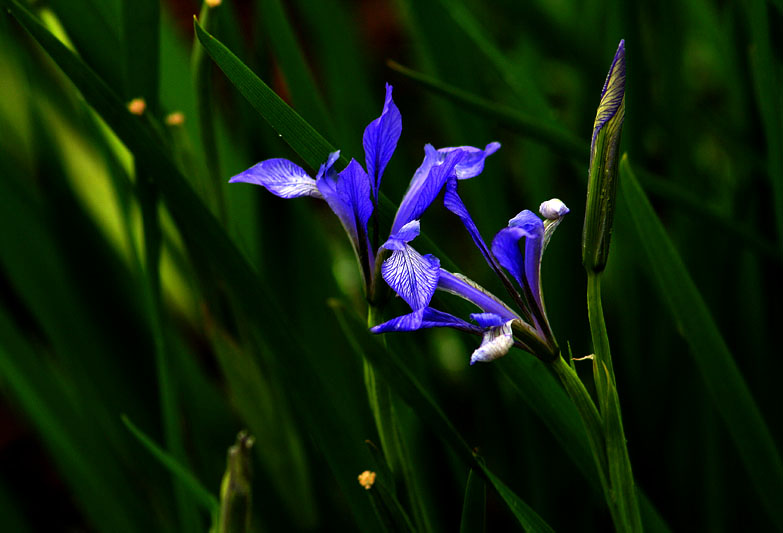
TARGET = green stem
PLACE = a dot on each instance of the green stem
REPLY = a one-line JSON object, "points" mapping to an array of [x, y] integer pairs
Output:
{"points": [[622, 492], [393, 445]]}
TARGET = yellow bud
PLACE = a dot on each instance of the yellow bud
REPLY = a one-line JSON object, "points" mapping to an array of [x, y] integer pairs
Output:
{"points": [[212, 3], [137, 106], [367, 479], [177, 118]]}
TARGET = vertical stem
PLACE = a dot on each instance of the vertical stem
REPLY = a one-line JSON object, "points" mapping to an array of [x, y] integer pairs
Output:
{"points": [[393, 445], [621, 482]]}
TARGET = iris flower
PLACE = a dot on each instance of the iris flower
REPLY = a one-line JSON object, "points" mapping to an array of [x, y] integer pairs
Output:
{"points": [[516, 250], [352, 194]]}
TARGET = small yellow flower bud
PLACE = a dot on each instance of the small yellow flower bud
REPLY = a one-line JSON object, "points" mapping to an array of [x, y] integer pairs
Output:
{"points": [[212, 3], [137, 106], [177, 118], [367, 479]]}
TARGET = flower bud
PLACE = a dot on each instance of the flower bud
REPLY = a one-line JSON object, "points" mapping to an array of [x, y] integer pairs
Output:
{"points": [[602, 182]]}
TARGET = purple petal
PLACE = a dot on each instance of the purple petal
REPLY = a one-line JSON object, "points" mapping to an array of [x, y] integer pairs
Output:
{"points": [[380, 140], [413, 276], [471, 291], [487, 320], [426, 184], [281, 177], [496, 343], [426, 317], [454, 203], [348, 194], [406, 234], [532, 226], [505, 247], [473, 163]]}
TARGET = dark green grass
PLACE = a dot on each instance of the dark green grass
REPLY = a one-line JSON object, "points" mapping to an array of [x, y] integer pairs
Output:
{"points": [[232, 328]]}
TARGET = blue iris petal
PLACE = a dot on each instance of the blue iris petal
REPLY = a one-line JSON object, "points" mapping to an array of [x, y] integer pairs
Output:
{"points": [[348, 194], [427, 182], [413, 276], [473, 164], [471, 291], [532, 226], [488, 320], [426, 317], [380, 140], [406, 234], [281, 177]]}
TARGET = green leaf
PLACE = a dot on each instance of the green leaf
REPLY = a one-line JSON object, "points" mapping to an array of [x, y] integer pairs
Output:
{"points": [[405, 385], [474, 506], [189, 481], [213, 250], [294, 130], [291, 59], [730, 394], [545, 132]]}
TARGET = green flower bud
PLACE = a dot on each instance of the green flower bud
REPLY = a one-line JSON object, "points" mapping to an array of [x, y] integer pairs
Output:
{"points": [[602, 183]]}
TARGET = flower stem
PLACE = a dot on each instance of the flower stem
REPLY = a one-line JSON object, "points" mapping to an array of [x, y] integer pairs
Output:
{"points": [[393, 445], [622, 493]]}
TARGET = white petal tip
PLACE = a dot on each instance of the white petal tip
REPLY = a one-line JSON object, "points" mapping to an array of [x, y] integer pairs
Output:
{"points": [[553, 209]]}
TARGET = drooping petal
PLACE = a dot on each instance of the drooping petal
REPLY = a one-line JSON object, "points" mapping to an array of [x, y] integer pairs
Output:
{"points": [[505, 247], [473, 163], [487, 320], [281, 177], [533, 229], [427, 317], [465, 288], [406, 234], [454, 203], [496, 343], [348, 195], [427, 182], [380, 139], [413, 276]]}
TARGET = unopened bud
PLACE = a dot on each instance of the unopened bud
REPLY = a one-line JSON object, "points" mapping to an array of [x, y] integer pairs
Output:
{"points": [[177, 118], [235, 487], [212, 3], [553, 209], [367, 479], [602, 183], [137, 106]]}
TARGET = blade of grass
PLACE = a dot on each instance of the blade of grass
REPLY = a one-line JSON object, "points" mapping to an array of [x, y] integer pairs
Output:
{"points": [[526, 91], [288, 53], [548, 133], [767, 78], [207, 500], [410, 390], [212, 248], [474, 506], [730, 394]]}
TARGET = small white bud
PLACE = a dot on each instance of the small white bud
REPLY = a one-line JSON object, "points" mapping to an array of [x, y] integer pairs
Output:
{"points": [[553, 209]]}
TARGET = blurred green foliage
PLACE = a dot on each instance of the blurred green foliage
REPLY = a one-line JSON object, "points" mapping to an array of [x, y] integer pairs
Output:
{"points": [[132, 283]]}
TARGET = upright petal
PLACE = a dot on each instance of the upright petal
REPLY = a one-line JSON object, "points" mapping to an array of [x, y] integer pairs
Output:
{"points": [[380, 140], [413, 276], [533, 231], [281, 177], [496, 343], [348, 194], [427, 182], [406, 234], [423, 318], [473, 163]]}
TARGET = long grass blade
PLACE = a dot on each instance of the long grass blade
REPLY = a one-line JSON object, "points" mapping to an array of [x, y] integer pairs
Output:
{"points": [[730, 394]]}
